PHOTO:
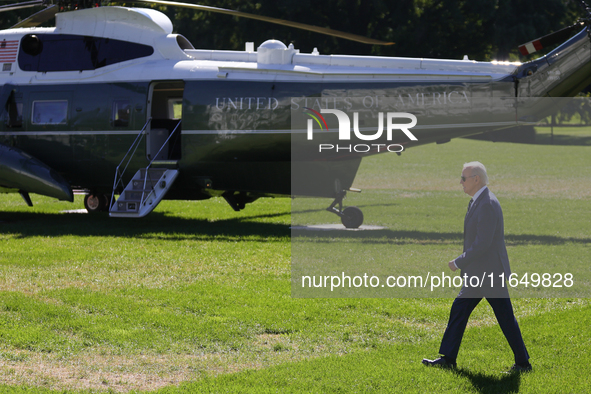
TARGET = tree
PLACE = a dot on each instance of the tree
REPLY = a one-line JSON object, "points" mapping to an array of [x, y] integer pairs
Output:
{"points": [[481, 29]]}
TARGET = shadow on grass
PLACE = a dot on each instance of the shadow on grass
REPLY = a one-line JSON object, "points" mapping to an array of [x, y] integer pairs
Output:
{"points": [[404, 237], [155, 226], [295, 210], [562, 140], [159, 225], [484, 383], [576, 136]]}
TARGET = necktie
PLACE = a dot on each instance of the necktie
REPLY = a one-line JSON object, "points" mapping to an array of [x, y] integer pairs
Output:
{"points": [[469, 205]]}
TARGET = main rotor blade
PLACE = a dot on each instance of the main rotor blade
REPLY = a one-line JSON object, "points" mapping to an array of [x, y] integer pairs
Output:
{"points": [[18, 6], [38, 18], [549, 39], [303, 26]]}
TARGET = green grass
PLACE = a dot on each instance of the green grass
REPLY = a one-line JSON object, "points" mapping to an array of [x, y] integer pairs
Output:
{"points": [[393, 367], [197, 297]]}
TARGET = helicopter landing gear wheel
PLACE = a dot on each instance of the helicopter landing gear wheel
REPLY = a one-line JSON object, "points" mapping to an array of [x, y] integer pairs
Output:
{"points": [[352, 217], [96, 203]]}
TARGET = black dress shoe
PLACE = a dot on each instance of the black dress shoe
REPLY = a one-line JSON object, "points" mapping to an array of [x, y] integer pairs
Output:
{"points": [[441, 362], [519, 368]]}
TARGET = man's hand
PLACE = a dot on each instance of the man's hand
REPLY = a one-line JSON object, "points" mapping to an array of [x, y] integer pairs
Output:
{"points": [[452, 265]]}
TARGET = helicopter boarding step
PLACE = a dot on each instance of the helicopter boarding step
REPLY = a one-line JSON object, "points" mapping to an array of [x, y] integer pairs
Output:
{"points": [[146, 189]]}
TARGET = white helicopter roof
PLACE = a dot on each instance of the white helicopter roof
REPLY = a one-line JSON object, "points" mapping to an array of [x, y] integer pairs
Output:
{"points": [[274, 55], [139, 25], [151, 27]]}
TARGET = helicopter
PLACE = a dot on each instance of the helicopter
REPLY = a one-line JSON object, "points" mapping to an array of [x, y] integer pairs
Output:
{"points": [[112, 102]]}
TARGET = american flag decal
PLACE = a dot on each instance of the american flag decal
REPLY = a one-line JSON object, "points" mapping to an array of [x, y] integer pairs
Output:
{"points": [[8, 51], [530, 47], [550, 39]]}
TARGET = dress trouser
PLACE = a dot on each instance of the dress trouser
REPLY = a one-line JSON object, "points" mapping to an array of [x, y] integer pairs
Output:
{"points": [[458, 319]]}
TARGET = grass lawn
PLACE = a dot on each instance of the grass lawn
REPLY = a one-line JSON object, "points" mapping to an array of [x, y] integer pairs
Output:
{"points": [[197, 298]]}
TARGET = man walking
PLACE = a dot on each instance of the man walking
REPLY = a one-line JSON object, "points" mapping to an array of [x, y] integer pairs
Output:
{"points": [[484, 254]]}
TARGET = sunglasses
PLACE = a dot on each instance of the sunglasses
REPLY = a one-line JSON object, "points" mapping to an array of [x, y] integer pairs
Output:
{"points": [[464, 178]]}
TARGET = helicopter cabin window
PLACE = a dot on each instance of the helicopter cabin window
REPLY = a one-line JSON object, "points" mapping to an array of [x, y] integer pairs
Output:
{"points": [[65, 52], [121, 113], [175, 108], [50, 112]]}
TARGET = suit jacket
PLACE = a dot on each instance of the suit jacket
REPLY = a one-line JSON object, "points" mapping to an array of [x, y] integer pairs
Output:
{"points": [[484, 247]]}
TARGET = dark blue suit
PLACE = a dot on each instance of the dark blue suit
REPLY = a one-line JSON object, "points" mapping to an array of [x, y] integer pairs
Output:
{"points": [[484, 253]]}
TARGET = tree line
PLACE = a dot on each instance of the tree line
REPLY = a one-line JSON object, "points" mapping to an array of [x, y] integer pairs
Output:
{"points": [[481, 29]]}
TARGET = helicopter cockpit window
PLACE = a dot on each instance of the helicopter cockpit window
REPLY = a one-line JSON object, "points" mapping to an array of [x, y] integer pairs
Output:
{"points": [[50, 112], [121, 112], [65, 52]]}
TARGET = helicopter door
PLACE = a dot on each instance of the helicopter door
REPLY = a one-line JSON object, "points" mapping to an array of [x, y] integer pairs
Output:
{"points": [[163, 137], [12, 101]]}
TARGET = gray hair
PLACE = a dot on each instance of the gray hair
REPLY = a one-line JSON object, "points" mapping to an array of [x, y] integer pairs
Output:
{"points": [[479, 169]]}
